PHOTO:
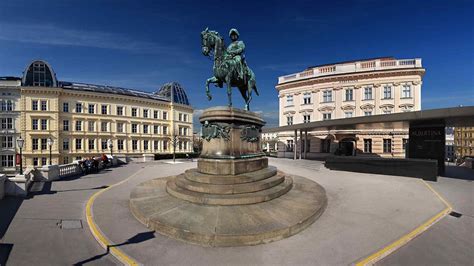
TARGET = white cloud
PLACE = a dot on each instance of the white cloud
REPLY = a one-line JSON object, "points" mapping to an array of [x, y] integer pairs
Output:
{"points": [[49, 34]]}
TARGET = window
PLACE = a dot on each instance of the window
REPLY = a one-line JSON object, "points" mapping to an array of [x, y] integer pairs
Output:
{"points": [[349, 95], [120, 144], [66, 160], [91, 126], [185, 118], [155, 114], [368, 93], [34, 144], [327, 116], [145, 113], [180, 145], [289, 145], [289, 120], [44, 106], [91, 108], [387, 145], [165, 130], [325, 145], [327, 96], [406, 91], [134, 128], [404, 144], [9, 105], [145, 145], [103, 144], [66, 144], [35, 161], [103, 126], [34, 105], [156, 129], [348, 114], [78, 107], [7, 160], [91, 144], [65, 125], [34, 124], [367, 145], [387, 92], [7, 123], [368, 113], [289, 100], [134, 144], [43, 161], [134, 112], [120, 127], [307, 98], [120, 110], [7, 142], [145, 129], [165, 145], [78, 125], [44, 144], [66, 107], [165, 115], [306, 118], [44, 124], [180, 117], [156, 145], [104, 109]]}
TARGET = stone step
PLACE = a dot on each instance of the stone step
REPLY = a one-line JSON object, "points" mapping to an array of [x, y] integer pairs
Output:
{"points": [[263, 184], [229, 199], [196, 176]]}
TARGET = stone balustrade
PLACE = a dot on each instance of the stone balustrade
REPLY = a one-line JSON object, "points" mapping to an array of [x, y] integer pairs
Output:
{"points": [[71, 169], [352, 67]]}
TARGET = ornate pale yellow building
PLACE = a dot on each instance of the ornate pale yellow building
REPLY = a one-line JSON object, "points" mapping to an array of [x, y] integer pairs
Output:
{"points": [[464, 142], [84, 119], [355, 88]]}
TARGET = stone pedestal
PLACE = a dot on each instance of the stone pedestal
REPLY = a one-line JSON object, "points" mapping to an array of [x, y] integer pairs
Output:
{"points": [[233, 198], [47, 173]]}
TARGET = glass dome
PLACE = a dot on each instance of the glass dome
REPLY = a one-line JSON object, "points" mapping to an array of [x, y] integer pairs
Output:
{"points": [[175, 92]]}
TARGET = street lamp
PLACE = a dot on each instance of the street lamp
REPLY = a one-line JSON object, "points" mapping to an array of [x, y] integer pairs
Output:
{"points": [[50, 142], [20, 142], [111, 145]]}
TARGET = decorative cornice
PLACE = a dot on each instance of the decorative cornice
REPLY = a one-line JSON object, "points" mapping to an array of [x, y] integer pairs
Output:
{"points": [[353, 76]]}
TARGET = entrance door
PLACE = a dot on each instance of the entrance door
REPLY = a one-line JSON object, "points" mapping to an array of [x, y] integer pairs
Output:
{"points": [[346, 147]]}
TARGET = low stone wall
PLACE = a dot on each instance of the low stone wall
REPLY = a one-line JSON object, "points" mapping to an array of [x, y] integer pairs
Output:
{"points": [[419, 168]]}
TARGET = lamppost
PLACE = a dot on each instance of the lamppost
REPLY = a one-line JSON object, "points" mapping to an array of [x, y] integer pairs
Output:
{"points": [[111, 145], [20, 142], [50, 142]]}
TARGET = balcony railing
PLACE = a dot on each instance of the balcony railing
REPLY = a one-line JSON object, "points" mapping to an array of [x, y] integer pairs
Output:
{"points": [[353, 67], [71, 169]]}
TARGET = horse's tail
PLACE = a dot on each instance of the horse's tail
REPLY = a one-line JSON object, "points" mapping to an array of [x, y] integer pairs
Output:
{"points": [[255, 88]]}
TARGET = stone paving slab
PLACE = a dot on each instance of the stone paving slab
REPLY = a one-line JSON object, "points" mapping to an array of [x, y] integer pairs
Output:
{"points": [[365, 213]]}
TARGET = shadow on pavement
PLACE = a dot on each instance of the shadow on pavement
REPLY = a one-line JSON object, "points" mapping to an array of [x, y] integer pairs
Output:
{"points": [[44, 188], [9, 207], [138, 238], [459, 172], [5, 250]]}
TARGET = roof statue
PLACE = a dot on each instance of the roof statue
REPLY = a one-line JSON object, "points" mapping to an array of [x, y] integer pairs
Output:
{"points": [[229, 67]]}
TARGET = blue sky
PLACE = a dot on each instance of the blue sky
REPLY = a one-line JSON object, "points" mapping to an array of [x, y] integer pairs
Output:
{"points": [[143, 44]]}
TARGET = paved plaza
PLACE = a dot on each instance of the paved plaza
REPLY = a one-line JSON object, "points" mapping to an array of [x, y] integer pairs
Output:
{"points": [[365, 213]]}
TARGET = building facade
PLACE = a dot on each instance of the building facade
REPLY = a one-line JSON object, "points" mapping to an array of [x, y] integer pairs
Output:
{"points": [[82, 120], [10, 122], [349, 89], [464, 142]]}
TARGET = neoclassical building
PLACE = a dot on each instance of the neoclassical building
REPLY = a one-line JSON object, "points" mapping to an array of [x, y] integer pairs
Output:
{"points": [[84, 119], [341, 90], [9, 122]]}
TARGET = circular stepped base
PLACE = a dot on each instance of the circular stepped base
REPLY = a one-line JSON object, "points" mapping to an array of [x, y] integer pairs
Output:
{"points": [[232, 225]]}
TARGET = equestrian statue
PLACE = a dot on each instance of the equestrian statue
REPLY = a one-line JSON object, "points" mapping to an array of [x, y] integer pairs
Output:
{"points": [[229, 65]]}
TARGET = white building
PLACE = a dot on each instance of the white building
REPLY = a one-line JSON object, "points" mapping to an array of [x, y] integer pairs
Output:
{"points": [[10, 122], [348, 89]]}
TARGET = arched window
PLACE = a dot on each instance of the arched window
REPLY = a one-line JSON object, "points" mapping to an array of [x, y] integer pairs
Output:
{"points": [[39, 74]]}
